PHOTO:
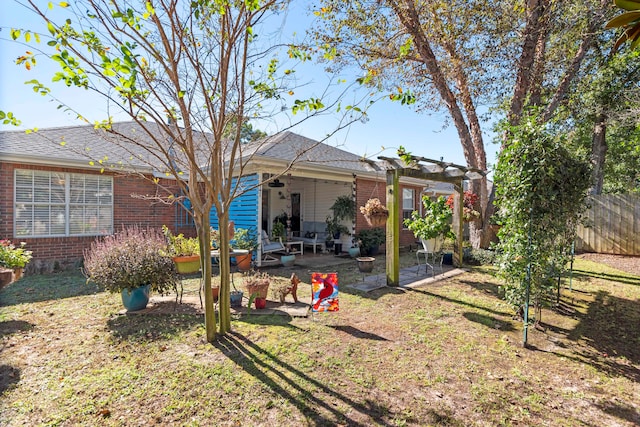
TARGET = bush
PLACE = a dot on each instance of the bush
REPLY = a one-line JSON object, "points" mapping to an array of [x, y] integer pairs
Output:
{"points": [[131, 258], [12, 256], [480, 257]]}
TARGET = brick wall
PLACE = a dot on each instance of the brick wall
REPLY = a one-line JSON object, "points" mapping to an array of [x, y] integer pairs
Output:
{"points": [[368, 189], [52, 253]]}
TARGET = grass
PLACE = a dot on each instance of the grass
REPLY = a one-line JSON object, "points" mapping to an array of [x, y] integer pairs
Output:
{"points": [[448, 353]]}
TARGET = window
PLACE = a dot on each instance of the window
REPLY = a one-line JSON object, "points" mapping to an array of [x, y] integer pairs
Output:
{"points": [[62, 204], [408, 203]]}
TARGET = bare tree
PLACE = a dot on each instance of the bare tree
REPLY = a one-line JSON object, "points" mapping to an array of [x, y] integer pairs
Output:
{"points": [[185, 72]]}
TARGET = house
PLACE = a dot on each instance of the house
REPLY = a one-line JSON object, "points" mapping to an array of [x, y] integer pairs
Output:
{"points": [[58, 200]]}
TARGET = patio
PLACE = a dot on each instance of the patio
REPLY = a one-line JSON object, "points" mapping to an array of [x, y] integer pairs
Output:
{"points": [[411, 276]]}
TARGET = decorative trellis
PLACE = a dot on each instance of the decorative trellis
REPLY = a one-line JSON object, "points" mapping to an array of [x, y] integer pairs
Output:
{"points": [[427, 169]]}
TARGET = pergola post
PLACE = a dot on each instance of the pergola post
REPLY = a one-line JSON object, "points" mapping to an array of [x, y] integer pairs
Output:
{"points": [[458, 226], [393, 228]]}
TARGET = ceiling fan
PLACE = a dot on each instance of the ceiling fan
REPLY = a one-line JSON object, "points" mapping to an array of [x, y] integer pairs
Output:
{"points": [[276, 183]]}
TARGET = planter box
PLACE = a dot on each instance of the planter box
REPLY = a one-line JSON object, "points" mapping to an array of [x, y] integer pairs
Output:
{"points": [[6, 277]]}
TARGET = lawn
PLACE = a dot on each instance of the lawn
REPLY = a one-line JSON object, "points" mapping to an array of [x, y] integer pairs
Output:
{"points": [[447, 353]]}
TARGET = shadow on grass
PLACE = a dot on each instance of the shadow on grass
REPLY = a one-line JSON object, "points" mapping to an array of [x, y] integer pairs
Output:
{"points": [[626, 279], [309, 395], [487, 287], [9, 376], [610, 327], [488, 321], [46, 287], [145, 327], [459, 302], [358, 333], [621, 411], [10, 327]]}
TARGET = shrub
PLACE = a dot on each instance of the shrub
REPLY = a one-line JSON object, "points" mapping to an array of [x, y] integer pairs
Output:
{"points": [[481, 257], [12, 256], [131, 258]]}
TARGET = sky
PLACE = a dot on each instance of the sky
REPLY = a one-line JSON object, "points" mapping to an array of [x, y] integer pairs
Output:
{"points": [[389, 124]]}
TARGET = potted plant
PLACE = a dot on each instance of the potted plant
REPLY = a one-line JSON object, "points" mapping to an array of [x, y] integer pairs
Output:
{"points": [[370, 240], [257, 285], [278, 230], [13, 260], [134, 262], [435, 222], [344, 208], [185, 251], [245, 240], [354, 250], [375, 212], [334, 230]]}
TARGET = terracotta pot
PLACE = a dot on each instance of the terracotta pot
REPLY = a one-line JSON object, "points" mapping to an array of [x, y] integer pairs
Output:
{"points": [[261, 290], [216, 292], [243, 261]]}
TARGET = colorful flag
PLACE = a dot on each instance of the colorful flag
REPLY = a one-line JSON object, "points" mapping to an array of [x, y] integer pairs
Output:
{"points": [[324, 292]]}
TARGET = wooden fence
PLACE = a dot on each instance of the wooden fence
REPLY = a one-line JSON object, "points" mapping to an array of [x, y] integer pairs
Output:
{"points": [[613, 225]]}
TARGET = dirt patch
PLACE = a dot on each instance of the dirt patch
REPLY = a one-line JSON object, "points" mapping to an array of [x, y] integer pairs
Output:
{"points": [[629, 264]]}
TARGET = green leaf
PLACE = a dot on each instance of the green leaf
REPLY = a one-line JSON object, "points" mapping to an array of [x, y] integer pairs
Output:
{"points": [[624, 19]]}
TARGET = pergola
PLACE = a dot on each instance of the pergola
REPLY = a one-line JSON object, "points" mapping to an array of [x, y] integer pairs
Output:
{"points": [[427, 169]]}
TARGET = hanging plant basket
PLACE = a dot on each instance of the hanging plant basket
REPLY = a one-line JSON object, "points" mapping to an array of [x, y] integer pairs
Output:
{"points": [[377, 219], [375, 212]]}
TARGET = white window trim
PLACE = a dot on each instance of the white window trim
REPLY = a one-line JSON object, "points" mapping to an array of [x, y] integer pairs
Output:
{"points": [[67, 205], [413, 204]]}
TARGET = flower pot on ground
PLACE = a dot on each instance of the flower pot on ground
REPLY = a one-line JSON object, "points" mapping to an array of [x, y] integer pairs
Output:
{"points": [[135, 299], [257, 283], [236, 298], [129, 259], [365, 264], [354, 251], [215, 290], [288, 260], [370, 240], [260, 303]]}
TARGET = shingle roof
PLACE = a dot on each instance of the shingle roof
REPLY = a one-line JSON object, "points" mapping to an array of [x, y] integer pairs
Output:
{"points": [[77, 145], [288, 146]]}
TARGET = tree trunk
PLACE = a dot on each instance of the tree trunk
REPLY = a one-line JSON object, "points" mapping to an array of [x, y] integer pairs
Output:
{"points": [[598, 153], [204, 238], [224, 298]]}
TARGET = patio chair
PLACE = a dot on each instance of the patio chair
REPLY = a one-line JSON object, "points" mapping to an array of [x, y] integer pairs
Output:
{"points": [[268, 247], [431, 248]]}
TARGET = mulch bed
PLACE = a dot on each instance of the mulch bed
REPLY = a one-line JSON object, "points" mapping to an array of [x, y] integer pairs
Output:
{"points": [[629, 264]]}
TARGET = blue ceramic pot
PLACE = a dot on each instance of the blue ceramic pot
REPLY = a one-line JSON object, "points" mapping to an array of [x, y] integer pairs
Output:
{"points": [[136, 299], [236, 298], [288, 260], [354, 252]]}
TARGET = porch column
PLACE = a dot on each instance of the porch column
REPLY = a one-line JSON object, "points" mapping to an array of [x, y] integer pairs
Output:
{"points": [[393, 228]]}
